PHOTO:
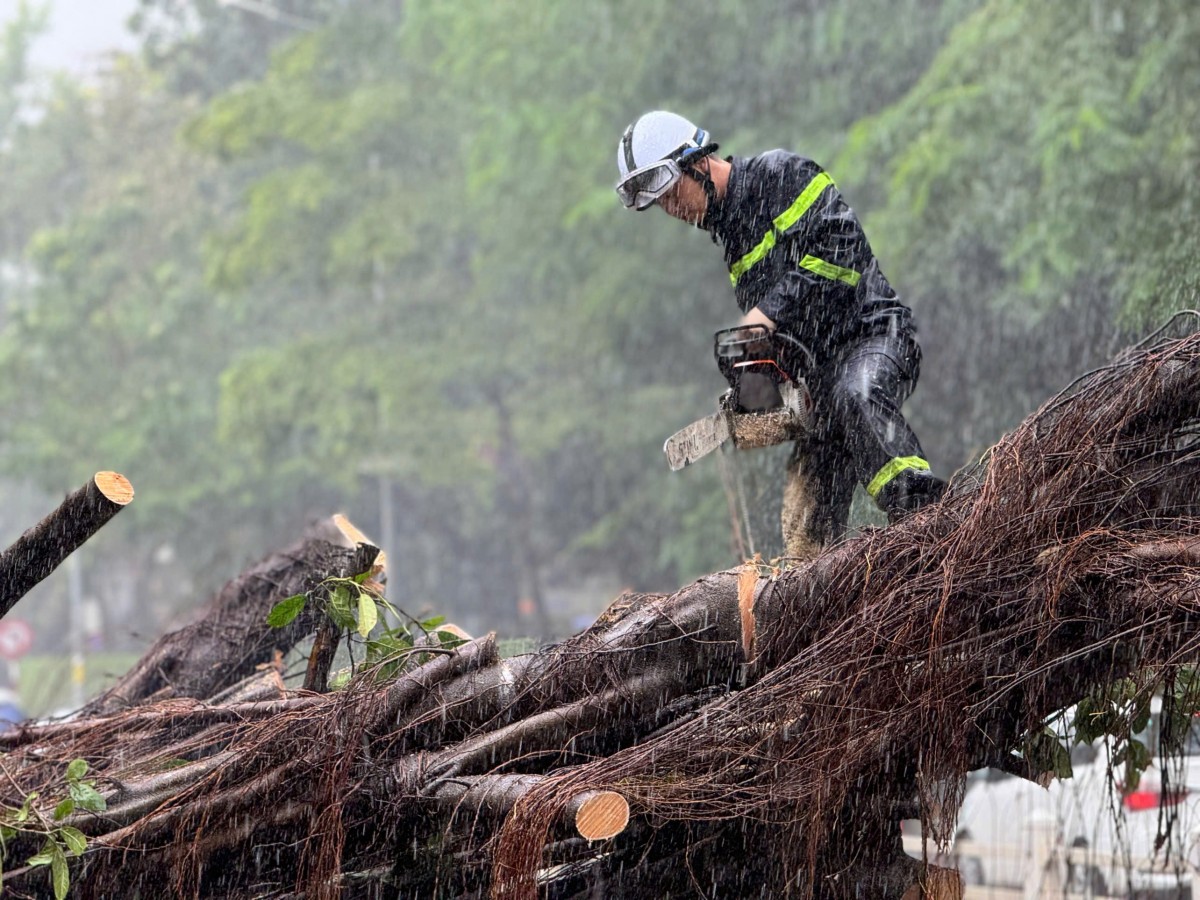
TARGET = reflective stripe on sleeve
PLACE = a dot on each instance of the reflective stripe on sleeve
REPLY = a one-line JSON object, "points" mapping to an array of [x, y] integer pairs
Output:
{"points": [[780, 224], [830, 271], [893, 468]]}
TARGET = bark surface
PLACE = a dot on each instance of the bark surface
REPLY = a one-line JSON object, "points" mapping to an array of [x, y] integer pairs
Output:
{"points": [[41, 549]]}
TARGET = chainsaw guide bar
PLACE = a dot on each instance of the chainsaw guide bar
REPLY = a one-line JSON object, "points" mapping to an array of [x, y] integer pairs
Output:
{"points": [[747, 430]]}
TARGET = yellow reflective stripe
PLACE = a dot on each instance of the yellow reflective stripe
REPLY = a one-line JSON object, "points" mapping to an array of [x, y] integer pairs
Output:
{"points": [[807, 198], [780, 224], [740, 267], [892, 469], [830, 271]]}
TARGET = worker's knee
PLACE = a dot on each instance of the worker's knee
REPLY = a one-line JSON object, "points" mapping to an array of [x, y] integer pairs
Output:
{"points": [[908, 491], [869, 385]]}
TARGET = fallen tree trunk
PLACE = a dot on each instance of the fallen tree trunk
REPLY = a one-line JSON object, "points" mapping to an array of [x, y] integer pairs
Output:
{"points": [[41, 549], [591, 815], [764, 727]]}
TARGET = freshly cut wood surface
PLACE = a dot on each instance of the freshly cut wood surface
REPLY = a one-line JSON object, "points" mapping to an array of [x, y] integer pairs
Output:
{"points": [[115, 487], [600, 815]]}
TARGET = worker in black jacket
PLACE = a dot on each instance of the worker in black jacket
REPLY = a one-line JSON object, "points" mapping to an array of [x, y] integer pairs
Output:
{"points": [[801, 265]]}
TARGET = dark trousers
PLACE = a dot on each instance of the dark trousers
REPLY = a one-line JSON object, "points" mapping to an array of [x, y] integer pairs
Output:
{"points": [[860, 437]]}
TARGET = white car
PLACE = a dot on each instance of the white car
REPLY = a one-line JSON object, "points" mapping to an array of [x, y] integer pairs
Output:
{"points": [[1105, 838]]}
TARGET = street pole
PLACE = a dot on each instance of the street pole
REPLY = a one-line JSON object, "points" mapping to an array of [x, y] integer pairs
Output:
{"points": [[75, 629]]}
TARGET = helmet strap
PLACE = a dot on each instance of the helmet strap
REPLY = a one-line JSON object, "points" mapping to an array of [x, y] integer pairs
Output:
{"points": [[712, 212]]}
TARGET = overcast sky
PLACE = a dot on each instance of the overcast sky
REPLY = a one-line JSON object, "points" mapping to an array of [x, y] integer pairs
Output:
{"points": [[80, 31]]}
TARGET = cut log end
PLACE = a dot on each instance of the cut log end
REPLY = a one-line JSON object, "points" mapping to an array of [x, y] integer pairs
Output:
{"points": [[601, 815], [41, 549], [747, 581], [356, 536], [114, 486]]}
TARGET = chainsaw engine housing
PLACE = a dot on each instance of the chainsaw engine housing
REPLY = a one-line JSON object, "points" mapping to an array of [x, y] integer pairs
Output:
{"points": [[755, 363]]}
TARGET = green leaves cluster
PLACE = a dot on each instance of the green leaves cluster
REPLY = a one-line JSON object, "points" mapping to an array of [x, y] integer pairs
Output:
{"points": [[61, 841], [347, 601], [1057, 142], [389, 636], [1122, 708], [1044, 753], [1120, 713]]}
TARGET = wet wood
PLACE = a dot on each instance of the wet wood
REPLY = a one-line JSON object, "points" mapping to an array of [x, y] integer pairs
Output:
{"points": [[751, 431], [592, 815], [599, 815], [320, 657], [231, 637], [41, 549]]}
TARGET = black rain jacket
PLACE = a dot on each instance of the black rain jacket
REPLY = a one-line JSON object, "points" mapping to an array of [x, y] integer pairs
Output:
{"points": [[796, 250]]}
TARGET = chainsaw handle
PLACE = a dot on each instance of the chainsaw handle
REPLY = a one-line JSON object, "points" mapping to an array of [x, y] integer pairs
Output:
{"points": [[799, 347], [734, 348]]}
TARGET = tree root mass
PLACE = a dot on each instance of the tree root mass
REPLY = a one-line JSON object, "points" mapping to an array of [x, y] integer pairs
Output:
{"points": [[752, 735]]}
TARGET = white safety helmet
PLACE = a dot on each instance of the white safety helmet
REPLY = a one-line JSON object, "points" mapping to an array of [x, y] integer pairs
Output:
{"points": [[653, 154]]}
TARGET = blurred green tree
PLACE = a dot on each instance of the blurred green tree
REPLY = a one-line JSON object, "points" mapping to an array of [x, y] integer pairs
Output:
{"points": [[1036, 189], [368, 255]]}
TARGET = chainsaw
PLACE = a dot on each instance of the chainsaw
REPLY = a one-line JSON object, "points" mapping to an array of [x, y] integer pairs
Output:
{"points": [[764, 405]]}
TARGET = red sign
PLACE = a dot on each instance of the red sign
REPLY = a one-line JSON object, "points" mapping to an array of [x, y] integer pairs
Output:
{"points": [[16, 637]]}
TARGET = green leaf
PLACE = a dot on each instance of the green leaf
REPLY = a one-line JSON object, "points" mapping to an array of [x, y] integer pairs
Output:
{"points": [[339, 607], [1185, 684], [1045, 753], [431, 624], [1136, 757], [1124, 691], [449, 639], [64, 809], [376, 650], [60, 875], [362, 576], [1095, 717], [77, 769], [87, 797], [23, 812], [1141, 717], [1139, 755], [43, 857], [283, 612], [75, 839], [368, 613]]}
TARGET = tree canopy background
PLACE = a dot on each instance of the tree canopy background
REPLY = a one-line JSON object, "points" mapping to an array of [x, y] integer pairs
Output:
{"points": [[367, 257]]}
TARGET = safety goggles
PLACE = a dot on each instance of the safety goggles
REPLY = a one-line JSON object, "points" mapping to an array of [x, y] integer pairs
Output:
{"points": [[642, 187]]}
